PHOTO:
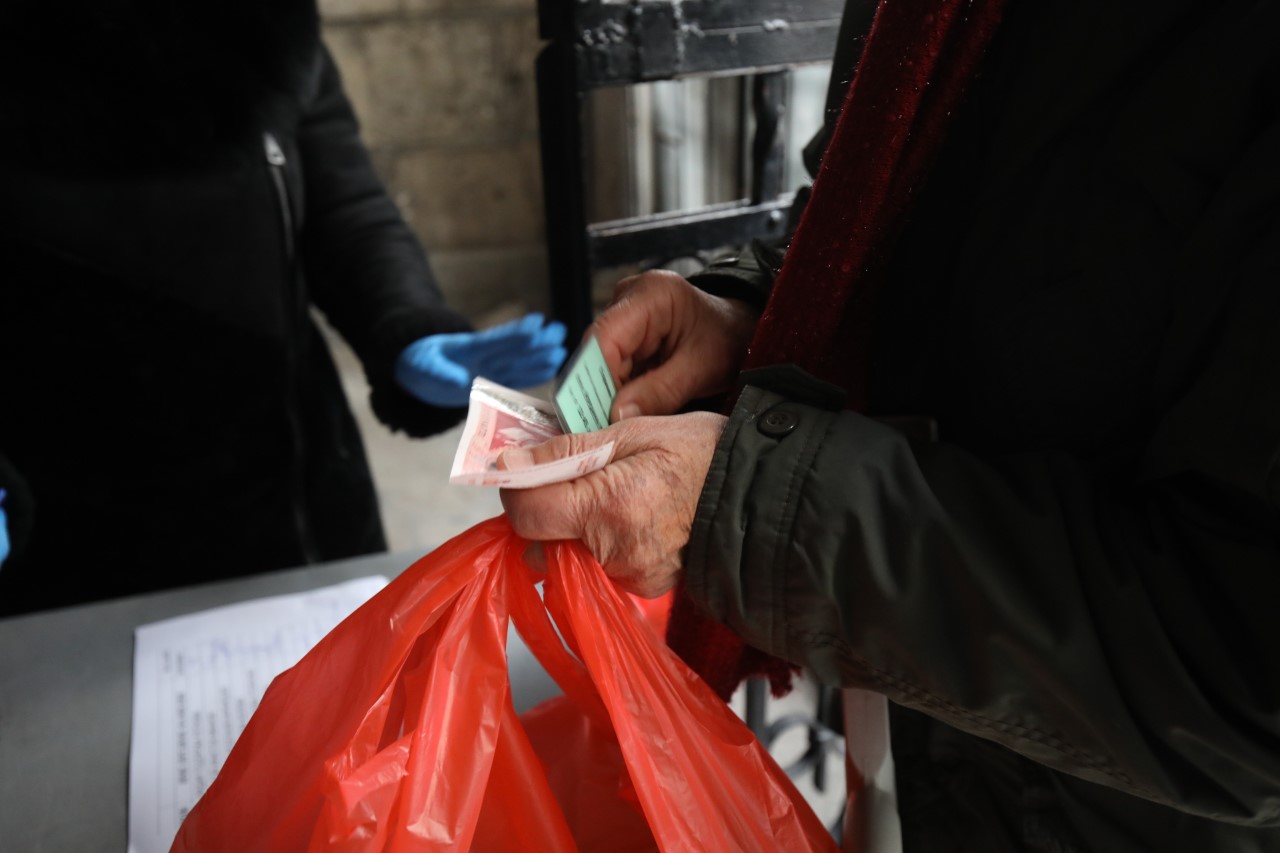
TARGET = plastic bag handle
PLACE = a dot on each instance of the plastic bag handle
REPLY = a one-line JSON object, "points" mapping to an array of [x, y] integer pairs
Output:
{"points": [[529, 614]]}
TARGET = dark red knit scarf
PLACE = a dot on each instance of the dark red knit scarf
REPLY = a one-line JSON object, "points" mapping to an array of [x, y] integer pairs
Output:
{"points": [[918, 58]]}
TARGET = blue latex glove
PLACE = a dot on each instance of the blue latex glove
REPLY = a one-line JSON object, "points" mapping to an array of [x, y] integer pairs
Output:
{"points": [[4, 531], [438, 369]]}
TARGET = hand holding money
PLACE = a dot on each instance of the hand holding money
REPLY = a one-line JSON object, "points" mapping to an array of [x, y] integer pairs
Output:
{"points": [[498, 419], [635, 516]]}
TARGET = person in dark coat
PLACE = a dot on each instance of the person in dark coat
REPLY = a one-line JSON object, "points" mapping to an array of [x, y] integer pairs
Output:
{"points": [[180, 187], [1007, 453]]}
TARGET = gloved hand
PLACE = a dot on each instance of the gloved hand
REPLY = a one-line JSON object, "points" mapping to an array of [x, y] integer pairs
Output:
{"points": [[438, 369], [4, 531]]}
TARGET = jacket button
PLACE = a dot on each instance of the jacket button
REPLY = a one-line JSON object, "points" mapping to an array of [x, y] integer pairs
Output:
{"points": [[777, 422]]}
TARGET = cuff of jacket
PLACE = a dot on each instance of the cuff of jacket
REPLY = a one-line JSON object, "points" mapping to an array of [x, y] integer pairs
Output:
{"points": [[392, 405], [740, 542], [748, 276], [773, 542]]}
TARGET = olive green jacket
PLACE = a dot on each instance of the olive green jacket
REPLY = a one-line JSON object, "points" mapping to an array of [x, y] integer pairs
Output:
{"points": [[1073, 596]]}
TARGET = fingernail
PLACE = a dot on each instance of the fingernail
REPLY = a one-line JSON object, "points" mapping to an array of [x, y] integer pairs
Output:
{"points": [[515, 459], [628, 410]]}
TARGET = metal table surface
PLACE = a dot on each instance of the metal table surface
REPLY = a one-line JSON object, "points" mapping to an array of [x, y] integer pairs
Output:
{"points": [[66, 702]]}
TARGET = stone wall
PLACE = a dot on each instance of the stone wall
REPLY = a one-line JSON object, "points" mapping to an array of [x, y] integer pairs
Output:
{"points": [[445, 93]]}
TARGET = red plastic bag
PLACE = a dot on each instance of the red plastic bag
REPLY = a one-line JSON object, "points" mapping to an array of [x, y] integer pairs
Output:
{"points": [[397, 731]]}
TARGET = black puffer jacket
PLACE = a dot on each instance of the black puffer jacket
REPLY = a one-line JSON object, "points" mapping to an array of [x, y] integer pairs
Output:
{"points": [[179, 187], [1071, 598]]}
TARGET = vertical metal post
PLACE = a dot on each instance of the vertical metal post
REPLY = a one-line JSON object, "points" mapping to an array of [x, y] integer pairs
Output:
{"points": [[564, 202]]}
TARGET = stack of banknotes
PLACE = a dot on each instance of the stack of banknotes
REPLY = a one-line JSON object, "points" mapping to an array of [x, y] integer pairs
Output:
{"points": [[499, 418]]}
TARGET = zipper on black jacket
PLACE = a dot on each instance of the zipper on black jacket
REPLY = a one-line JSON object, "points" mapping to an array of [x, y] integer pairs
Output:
{"points": [[276, 164]]}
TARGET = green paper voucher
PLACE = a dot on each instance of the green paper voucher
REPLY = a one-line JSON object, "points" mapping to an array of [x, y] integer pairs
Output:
{"points": [[584, 394]]}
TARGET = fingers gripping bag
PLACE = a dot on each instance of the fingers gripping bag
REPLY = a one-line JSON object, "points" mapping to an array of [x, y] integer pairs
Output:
{"points": [[397, 731]]}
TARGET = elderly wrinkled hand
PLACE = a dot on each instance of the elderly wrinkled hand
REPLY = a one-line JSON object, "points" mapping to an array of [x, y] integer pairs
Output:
{"points": [[634, 514], [438, 369], [667, 343]]}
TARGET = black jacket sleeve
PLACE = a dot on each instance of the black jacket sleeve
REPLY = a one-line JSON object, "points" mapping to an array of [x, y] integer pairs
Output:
{"points": [[366, 269], [1110, 613], [747, 275], [1113, 618]]}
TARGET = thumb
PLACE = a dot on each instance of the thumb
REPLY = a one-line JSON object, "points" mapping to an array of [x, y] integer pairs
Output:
{"points": [[661, 391], [441, 365], [560, 447], [556, 510]]}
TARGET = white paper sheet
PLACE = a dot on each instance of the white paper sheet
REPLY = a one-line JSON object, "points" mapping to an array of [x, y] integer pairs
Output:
{"points": [[196, 681]]}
